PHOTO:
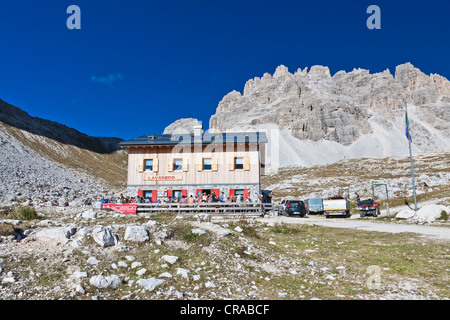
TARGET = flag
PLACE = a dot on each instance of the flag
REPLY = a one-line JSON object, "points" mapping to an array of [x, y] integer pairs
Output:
{"points": [[408, 135]]}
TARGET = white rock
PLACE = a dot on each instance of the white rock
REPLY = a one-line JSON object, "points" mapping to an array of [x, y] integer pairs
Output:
{"points": [[80, 289], [405, 214], [238, 229], [8, 280], [430, 213], [79, 274], [198, 231], [150, 284], [104, 236], [165, 275], [92, 260], [169, 259], [58, 233], [99, 282], [83, 231], [140, 272], [113, 281], [136, 233], [224, 232], [150, 223], [89, 214], [135, 265], [183, 272], [76, 243]]}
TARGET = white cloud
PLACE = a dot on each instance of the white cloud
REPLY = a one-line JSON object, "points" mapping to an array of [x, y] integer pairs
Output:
{"points": [[107, 80]]}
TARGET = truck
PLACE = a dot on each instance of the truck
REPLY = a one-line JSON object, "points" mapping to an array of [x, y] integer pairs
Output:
{"points": [[336, 206], [368, 207], [315, 206]]}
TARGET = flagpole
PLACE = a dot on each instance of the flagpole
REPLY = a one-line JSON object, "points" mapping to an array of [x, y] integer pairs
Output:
{"points": [[413, 180], [412, 166]]}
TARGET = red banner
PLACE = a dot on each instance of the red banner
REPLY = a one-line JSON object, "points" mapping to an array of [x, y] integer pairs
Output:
{"points": [[126, 208]]}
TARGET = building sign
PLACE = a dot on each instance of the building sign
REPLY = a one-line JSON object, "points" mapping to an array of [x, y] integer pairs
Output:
{"points": [[163, 178], [126, 208]]}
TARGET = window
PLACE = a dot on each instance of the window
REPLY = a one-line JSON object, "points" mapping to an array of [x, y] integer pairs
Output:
{"points": [[178, 165], [207, 163], [238, 163], [148, 165]]}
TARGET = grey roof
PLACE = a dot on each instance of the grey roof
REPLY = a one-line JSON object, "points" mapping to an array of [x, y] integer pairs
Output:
{"points": [[189, 139]]}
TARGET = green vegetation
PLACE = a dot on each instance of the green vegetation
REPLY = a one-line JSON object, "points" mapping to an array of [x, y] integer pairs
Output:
{"points": [[444, 216], [23, 213]]}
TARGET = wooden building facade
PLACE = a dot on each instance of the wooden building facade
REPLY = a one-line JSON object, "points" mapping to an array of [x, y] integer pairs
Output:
{"points": [[185, 165]]}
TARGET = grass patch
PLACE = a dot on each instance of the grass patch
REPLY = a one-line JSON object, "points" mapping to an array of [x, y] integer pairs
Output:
{"points": [[444, 216], [23, 213], [181, 231], [6, 230], [286, 229]]}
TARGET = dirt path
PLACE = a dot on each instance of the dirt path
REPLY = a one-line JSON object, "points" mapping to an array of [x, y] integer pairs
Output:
{"points": [[429, 232]]}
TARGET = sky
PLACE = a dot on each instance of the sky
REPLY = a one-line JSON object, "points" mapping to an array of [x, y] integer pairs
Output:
{"points": [[135, 67]]}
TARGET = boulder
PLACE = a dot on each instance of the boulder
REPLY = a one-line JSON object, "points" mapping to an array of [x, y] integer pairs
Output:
{"points": [[169, 259], [430, 213], [99, 282], [136, 233], [183, 273], [89, 214], [104, 236], [102, 282], [150, 284], [405, 214], [59, 233]]}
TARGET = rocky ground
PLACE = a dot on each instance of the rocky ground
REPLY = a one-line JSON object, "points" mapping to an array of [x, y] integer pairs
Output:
{"points": [[84, 254]]}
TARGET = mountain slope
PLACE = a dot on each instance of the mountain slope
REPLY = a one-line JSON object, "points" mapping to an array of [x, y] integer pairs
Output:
{"points": [[313, 118], [42, 157]]}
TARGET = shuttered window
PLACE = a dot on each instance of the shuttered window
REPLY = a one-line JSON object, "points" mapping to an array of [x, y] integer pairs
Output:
{"points": [[178, 165], [238, 163], [207, 163], [148, 165]]}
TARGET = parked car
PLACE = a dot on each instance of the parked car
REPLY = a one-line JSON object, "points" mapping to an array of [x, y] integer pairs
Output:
{"points": [[292, 208], [336, 207], [314, 206], [282, 205]]}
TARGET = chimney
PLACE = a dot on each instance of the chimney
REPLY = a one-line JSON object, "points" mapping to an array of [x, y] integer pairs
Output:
{"points": [[198, 131]]}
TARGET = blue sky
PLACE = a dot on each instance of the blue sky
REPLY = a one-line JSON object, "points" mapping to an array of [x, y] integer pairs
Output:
{"points": [[137, 66]]}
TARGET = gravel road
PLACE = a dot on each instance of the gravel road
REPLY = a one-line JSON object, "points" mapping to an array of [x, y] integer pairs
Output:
{"points": [[429, 232]]}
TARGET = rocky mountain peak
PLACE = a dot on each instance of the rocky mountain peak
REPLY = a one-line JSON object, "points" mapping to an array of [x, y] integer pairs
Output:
{"points": [[182, 126], [344, 108]]}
